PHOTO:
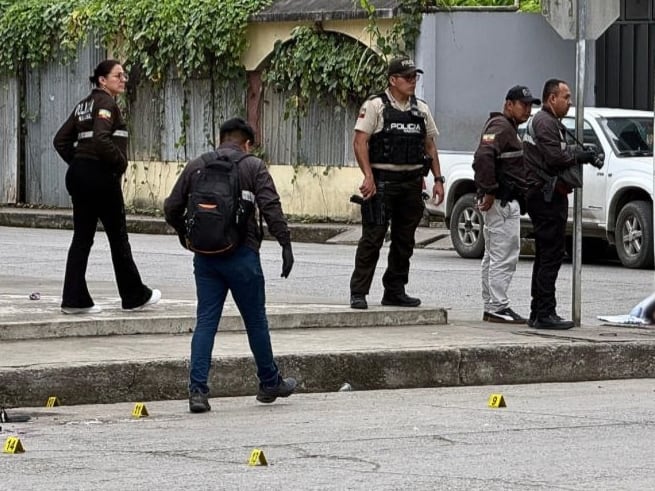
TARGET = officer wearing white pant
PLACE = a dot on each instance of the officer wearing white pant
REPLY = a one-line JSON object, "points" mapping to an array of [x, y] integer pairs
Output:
{"points": [[502, 244], [500, 178]]}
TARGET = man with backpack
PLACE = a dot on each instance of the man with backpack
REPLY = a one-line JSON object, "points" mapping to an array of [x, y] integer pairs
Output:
{"points": [[212, 207]]}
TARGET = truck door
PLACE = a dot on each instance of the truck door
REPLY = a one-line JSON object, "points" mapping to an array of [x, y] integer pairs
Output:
{"points": [[594, 187]]}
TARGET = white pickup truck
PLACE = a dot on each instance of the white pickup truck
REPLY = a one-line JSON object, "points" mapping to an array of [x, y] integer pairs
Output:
{"points": [[617, 200]]}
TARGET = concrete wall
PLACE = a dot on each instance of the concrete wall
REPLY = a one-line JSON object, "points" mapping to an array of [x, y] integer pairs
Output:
{"points": [[471, 59], [304, 191]]}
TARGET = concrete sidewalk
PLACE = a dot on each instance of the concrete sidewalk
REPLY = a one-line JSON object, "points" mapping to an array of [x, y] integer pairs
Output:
{"points": [[22, 319], [389, 349], [121, 356]]}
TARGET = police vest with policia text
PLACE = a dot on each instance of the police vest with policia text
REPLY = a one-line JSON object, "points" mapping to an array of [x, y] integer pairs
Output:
{"points": [[402, 139]]}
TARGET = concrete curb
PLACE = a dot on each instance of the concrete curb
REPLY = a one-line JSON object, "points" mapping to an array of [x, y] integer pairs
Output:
{"points": [[234, 376], [63, 219], [179, 317]]}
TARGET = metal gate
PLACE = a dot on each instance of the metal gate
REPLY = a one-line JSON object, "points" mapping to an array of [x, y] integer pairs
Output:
{"points": [[625, 58]]}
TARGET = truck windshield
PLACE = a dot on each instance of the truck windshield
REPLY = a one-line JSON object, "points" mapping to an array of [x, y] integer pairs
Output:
{"points": [[629, 136]]}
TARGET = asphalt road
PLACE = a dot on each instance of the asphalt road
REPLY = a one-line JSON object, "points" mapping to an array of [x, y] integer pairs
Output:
{"points": [[34, 260], [554, 436]]}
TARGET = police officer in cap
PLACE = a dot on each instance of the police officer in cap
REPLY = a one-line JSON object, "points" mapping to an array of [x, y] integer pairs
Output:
{"points": [[395, 147], [500, 179]]}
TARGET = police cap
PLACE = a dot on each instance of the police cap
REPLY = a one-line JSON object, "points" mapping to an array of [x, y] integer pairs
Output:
{"points": [[523, 94], [402, 66]]}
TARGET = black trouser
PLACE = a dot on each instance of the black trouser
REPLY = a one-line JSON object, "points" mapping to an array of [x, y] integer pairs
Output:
{"points": [[97, 195], [404, 207], [549, 224]]}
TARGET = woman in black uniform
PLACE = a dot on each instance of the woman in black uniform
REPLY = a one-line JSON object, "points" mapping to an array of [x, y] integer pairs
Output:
{"points": [[93, 142]]}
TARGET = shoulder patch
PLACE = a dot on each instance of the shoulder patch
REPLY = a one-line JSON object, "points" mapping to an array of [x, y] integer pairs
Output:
{"points": [[488, 138], [362, 112], [104, 114]]}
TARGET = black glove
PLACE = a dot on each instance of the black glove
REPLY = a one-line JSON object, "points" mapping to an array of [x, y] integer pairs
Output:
{"points": [[585, 156], [598, 162], [287, 260]]}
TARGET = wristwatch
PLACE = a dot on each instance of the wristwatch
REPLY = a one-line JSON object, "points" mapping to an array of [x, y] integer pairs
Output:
{"points": [[439, 178]]}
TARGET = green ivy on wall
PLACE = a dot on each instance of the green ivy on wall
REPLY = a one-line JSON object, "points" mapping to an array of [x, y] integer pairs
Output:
{"points": [[524, 5], [315, 64], [31, 31], [318, 65], [191, 36]]}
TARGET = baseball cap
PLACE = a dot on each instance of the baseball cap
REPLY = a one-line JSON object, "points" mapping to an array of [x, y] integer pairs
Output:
{"points": [[237, 124], [402, 66], [523, 94]]}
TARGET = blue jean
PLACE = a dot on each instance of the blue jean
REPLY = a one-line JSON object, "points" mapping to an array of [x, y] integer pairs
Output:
{"points": [[241, 273]]}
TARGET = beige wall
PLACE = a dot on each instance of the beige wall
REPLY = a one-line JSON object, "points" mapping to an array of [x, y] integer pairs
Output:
{"points": [[263, 36], [304, 191]]}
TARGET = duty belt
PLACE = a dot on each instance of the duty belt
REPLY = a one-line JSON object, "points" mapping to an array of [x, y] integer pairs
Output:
{"points": [[397, 176], [84, 135]]}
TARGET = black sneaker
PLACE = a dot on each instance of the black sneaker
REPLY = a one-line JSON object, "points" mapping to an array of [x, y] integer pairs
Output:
{"points": [[284, 388], [532, 319], [198, 402], [358, 301], [503, 316], [552, 321], [400, 300]]}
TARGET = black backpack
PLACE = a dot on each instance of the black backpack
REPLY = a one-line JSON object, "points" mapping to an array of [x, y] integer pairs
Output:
{"points": [[217, 211]]}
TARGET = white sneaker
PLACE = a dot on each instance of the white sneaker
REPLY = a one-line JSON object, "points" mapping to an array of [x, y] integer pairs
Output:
{"points": [[95, 309], [154, 298]]}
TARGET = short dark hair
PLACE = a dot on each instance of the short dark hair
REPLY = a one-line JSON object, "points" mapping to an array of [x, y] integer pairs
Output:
{"points": [[551, 87], [237, 130], [102, 70]]}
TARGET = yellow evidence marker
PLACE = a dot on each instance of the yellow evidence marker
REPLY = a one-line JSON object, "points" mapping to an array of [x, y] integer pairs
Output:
{"points": [[52, 402], [13, 445], [496, 401], [257, 457], [139, 410]]}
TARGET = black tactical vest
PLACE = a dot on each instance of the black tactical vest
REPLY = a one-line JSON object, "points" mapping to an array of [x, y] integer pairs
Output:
{"points": [[402, 139]]}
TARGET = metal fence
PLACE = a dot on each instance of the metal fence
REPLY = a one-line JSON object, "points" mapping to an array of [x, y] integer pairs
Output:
{"points": [[156, 116], [9, 132], [625, 58], [50, 94], [321, 137]]}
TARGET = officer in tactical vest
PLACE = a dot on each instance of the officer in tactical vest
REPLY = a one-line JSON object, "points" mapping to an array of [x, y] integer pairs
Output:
{"points": [[395, 148]]}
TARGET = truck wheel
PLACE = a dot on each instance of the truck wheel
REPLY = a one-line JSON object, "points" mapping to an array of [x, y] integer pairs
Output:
{"points": [[634, 235], [466, 227]]}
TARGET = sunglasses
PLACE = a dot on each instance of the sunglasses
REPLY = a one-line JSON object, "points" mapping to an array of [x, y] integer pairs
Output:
{"points": [[410, 77]]}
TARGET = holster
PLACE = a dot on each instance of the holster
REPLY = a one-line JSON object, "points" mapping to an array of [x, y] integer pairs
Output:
{"points": [[427, 165], [373, 210], [549, 188]]}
